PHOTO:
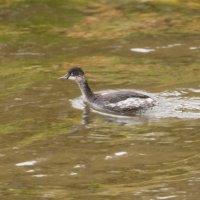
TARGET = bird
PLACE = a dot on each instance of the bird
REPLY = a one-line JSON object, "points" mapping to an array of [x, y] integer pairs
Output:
{"points": [[123, 102]]}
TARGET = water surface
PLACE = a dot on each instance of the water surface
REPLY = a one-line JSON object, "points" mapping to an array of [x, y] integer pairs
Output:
{"points": [[49, 149]]}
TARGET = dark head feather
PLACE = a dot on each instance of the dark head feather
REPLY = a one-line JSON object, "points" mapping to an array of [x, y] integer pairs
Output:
{"points": [[76, 71]]}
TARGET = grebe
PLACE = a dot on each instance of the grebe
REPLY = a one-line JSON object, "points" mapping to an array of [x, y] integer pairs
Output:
{"points": [[119, 101]]}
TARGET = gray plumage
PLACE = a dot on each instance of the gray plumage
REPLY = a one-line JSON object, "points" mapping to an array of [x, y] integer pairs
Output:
{"points": [[119, 101]]}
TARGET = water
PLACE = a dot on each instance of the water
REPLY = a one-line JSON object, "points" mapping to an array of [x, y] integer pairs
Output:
{"points": [[53, 147]]}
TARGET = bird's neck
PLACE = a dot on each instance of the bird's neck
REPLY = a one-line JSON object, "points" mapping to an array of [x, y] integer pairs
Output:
{"points": [[85, 89]]}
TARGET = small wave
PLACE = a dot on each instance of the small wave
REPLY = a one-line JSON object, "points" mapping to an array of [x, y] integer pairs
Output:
{"points": [[169, 46], [170, 106], [27, 163], [142, 50], [194, 48]]}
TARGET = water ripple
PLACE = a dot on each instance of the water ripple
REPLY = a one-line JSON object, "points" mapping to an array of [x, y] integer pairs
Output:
{"points": [[181, 103]]}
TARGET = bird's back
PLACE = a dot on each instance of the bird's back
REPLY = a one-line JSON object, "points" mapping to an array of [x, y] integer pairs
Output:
{"points": [[122, 101]]}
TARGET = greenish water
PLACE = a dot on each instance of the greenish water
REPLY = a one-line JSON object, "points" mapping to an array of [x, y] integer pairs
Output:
{"points": [[51, 147]]}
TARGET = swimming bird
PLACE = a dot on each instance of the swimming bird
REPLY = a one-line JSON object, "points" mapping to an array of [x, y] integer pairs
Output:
{"points": [[115, 101]]}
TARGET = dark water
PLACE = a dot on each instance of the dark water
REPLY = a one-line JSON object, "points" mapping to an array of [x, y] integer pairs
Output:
{"points": [[52, 147]]}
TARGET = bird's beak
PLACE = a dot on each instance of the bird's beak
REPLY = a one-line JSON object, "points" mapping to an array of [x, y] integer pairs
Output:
{"points": [[66, 76]]}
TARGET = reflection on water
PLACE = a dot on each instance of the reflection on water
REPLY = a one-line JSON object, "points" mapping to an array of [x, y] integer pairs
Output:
{"points": [[142, 50], [156, 49], [148, 50], [27, 163]]}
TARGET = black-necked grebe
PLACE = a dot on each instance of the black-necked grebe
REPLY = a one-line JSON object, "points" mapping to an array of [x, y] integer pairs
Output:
{"points": [[120, 101]]}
